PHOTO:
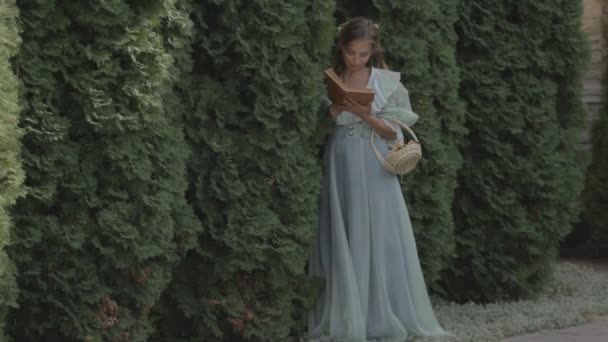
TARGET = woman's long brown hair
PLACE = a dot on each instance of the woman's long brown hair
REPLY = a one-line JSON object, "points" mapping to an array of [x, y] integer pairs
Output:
{"points": [[358, 28]]}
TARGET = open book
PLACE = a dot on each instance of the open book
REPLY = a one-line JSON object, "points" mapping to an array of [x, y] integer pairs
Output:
{"points": [[337, 91]]}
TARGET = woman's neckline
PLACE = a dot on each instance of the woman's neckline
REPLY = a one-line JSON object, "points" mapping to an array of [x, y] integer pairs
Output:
{"points": [[369, 79]]}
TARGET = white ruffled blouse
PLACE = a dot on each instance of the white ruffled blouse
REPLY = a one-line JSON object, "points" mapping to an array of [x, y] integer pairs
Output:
{"points": [[385, 83]]}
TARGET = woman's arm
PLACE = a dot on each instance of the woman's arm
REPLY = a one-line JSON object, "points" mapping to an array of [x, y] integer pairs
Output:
{"points": [[365, 113], [335, 110], [380, 127], [398, 107]]}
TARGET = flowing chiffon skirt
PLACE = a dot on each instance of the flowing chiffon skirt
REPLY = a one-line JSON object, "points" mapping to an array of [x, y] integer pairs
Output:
{"points": [[365, 250]]}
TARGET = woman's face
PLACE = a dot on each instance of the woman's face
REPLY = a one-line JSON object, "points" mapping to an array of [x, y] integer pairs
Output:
{"points": [[356, 54]]}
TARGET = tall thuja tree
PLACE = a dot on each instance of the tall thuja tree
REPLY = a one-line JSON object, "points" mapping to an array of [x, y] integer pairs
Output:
{"points": [[11, 173], [96, 237], [177, 30], [522, 64], [252, 121], [419, 41]]}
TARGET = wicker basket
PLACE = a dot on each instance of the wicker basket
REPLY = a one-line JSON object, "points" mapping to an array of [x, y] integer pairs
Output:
{"points": [[401, 161]]}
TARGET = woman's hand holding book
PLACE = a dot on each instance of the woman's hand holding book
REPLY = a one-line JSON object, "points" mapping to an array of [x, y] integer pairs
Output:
{"points": [[335, 110], [359, 110]]}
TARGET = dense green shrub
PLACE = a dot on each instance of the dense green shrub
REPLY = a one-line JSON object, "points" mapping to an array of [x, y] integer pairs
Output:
{"points": [[105, 216], [250, 108], [11, 173], [130, 108], [421, 43], [522, 64]]}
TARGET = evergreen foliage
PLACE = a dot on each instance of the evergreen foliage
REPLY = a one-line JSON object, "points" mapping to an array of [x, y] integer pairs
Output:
{"points": [[11, 172], [105, 217], [522, 64], [252, 123], [171, 149], [421, 43]]}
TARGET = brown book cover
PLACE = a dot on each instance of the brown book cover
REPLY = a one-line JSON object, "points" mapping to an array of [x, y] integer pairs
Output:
{"points": [[337, 91]]}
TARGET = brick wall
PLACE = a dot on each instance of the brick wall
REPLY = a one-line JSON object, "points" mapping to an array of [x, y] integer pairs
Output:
{"points": [[595, 18]]}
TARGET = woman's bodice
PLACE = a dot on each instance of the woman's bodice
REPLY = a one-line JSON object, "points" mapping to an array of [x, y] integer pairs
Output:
{"points": [[348, 118]]}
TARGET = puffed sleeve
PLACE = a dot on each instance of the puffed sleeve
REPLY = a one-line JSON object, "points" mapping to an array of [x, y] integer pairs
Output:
{"points": [[398, 107]]}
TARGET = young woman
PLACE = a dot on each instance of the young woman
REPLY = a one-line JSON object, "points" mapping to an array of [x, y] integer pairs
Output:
{"points": [[365, 249]]}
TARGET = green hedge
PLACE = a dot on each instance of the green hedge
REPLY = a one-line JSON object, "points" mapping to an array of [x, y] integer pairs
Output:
{"points": [[421, 43], [522, 65], [251, 119], [102, 225], [172, 154], [11, 173]]}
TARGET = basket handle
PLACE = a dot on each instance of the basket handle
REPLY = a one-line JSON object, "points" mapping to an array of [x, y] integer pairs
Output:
{"points": [[380, 157]]}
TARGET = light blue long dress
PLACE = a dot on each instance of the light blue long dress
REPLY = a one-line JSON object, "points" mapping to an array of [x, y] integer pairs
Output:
{"points": [[365, 249]]}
